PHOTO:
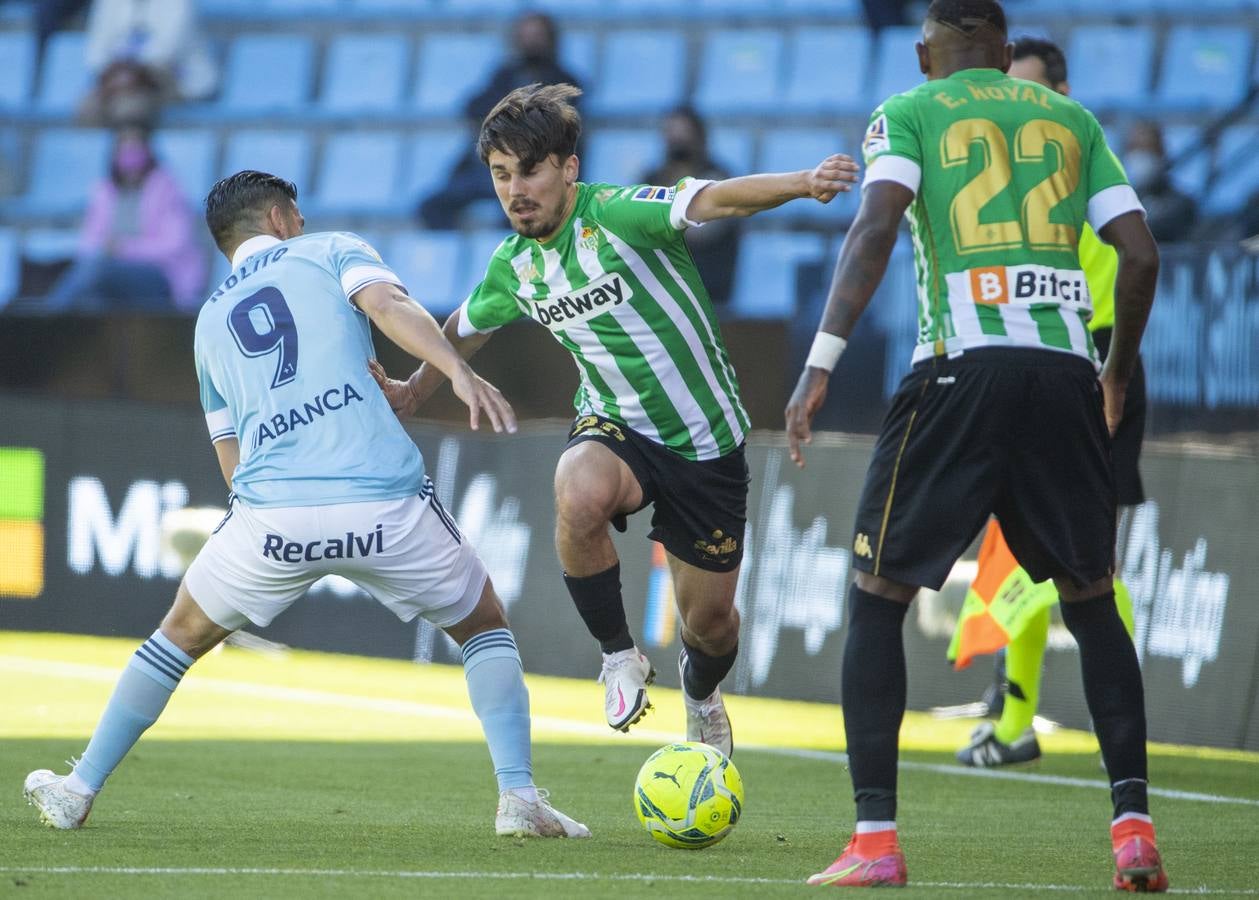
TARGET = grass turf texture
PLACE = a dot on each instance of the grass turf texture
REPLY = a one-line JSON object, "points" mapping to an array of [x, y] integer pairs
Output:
{"points": [[331, 776]]}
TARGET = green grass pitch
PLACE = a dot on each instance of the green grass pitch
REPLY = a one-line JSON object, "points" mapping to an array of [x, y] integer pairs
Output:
{"points": [[314, 775]]}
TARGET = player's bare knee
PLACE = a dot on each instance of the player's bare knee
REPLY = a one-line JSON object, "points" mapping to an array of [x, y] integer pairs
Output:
{"points": [[585, 502], [714, 626], [886, 587]]}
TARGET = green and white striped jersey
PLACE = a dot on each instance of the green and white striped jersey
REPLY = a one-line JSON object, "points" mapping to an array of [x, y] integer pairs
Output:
{"points": [[617, 288]]}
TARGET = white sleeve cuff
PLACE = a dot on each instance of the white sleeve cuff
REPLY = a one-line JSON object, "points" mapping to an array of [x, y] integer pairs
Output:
{"points": [[682, 203], [894, 168], [359, 277], [465, 327], [220, 424], [1111, 203]]}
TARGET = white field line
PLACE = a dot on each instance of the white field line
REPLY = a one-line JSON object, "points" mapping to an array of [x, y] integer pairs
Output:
{"points": [[82, 672], [559, 876]]}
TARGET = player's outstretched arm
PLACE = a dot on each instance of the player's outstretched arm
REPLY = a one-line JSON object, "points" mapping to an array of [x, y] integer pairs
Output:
{"points": [[750, 194], [410, 326], [862, 262], [1134, 295]]}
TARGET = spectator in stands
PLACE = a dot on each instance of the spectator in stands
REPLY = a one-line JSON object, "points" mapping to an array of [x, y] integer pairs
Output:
{"points": [[884, 13], [1170, 214], [138, 246], [534, 45], [715, 247], [51, 16], [143, 53]]}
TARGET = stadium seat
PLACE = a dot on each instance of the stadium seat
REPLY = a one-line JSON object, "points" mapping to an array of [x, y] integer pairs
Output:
{"points": [[268, 73], [732, 148], [395, 7], [302, 7], [452, 67], [64, 79], [642, 73], [1189, 172], [1110, 65], [9, 266], [620, 156], [740, 72], [65, 163], [827, 71], [834, 9], [896, 64], [189, 155], [765, 277], [1204, 67], [479, 246], [1237, 170], [365, 73], [17, 49], [283, 153], [788, 149], [579, 54], [428, 263], [359, 174], [475, 7], [432, 155]]}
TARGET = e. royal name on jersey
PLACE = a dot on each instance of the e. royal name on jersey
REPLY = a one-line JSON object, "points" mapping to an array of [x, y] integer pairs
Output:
{"points": [[1022, 285]]}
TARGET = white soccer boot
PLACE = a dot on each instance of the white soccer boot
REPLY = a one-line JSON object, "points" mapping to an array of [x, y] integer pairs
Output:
{"points": [[58, 806], [706, 720], [517, 817], [625, 677]]}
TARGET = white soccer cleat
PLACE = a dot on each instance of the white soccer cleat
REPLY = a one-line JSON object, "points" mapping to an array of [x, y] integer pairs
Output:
{"points": [[58, 806], [517, 817], [706, 720], [625, 677]]}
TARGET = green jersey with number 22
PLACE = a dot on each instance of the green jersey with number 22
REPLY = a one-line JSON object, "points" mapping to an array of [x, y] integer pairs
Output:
{"points": [[1005, 173]]}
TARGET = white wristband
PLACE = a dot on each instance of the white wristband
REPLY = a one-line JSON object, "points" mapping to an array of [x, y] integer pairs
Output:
{"points": [[825, 351]]}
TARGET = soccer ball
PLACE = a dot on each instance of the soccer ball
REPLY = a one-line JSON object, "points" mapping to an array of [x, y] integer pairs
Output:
{"points": [[688, 795]]}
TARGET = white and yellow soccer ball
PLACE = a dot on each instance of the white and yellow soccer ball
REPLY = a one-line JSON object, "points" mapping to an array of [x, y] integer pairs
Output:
{"points": [[688, 795]]}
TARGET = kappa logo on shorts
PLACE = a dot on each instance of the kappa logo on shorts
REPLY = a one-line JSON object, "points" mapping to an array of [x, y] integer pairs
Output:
{"points": [[861, 546], [592, 425], [720, 547], [276, 547]]}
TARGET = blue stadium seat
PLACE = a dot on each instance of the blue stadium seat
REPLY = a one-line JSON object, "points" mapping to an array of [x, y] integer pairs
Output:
{"points": [[1237, 168], [395, 7], [740, 72], [896, 66], [432, 155], [268, 73], [643, 72], [732, 148], [479, 246], [834, 9], [64, 79], [827, 71], [283, 153], [788, 149], [190, 156], [1190, 171], [1110, 65], [620, 156], [301, 7], [428, 262], [1204, 67], [579, 54], [765, 277], [471, 7], [359, 174], [452, 67], [48, 245], [17, 49], [65, 163], [365, 73], [9, 266]]}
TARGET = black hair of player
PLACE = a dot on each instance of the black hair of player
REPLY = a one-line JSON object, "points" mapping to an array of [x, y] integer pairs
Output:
{"points": [[533, 123], [1047, 52], [236, 199], [968, 17]]}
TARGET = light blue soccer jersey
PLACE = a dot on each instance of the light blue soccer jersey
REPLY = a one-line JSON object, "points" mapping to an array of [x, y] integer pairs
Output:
{"points": [[282, 357]]}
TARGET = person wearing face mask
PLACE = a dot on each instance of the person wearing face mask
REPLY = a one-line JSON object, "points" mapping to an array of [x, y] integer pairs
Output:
{"points": [[715, 248], [1171, 214], [534, 45], [137, 246]]}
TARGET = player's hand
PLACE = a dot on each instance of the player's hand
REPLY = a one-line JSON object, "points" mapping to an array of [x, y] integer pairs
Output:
{"points": [[806, 400], [401, 398], [482, 397], [1114, 392], [833, 175]]}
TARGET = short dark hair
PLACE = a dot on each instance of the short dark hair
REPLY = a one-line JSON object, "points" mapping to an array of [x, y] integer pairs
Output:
{"points": [[533, 122], [1047, 52], [239, 196], [968, 16]]}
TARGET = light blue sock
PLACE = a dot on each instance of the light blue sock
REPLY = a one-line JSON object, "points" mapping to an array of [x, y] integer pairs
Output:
{"points": [[143, 689], [496, 685]]}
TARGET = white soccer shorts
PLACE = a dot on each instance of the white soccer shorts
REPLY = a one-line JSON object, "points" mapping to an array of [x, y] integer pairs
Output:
{"points": [[407, 553]]}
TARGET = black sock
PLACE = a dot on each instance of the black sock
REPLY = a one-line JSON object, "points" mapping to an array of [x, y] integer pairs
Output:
{"points": [[873, 696], [1115, 696], [702, 673], [598, 599]]}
